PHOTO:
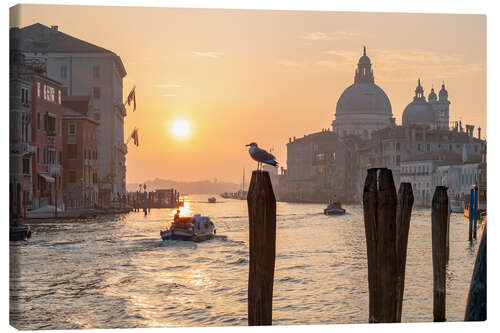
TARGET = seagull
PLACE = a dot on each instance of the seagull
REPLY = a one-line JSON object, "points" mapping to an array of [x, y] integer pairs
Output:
{"points": [[261, 156]]}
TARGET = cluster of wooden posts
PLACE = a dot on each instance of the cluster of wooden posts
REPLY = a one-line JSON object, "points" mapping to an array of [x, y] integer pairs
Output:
{"points": [[387, 217]]}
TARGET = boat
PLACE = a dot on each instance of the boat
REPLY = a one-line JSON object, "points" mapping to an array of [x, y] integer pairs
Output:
{"points": [[195, 228], [212, 200], [334, 209], [19, 231]]}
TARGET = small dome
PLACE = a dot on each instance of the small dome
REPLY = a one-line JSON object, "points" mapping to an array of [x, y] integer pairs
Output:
{"points": [[364, 60], [364, 98], [418, 113], [443, 93], [432, 96]]}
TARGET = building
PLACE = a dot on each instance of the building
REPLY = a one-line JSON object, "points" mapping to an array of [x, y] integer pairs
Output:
{"points": [[21, 150], [85, 69], [433, 113], [365, 135], [363, 106], [45, 139], [80, 155]]}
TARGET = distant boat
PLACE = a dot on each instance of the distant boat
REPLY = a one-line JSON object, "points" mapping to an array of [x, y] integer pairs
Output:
{"points": [[334, 209], [212, 200]]}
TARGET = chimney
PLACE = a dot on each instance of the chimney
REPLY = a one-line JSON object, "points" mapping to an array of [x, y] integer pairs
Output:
{"points": [[54, 28], [479, 133]]}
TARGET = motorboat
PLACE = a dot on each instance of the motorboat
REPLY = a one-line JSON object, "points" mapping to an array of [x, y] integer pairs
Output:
{"points": [[334, 209], [19, 231], [212, 200], [195, 228]]}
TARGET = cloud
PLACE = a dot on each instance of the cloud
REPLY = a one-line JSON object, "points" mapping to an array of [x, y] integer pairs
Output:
{"points": [[404, 64], [209, 54], [169, 95], [314, 36], [167, 85], [290, 63]]}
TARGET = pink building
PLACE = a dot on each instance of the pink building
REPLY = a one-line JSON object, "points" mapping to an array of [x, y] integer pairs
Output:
{"points": [[46, 137]]}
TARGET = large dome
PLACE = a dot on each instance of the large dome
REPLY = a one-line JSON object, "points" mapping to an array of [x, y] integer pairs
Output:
{"points": [[363, 98], [418, 113]]}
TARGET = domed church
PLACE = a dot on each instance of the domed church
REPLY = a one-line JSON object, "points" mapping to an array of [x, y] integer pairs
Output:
{"points": [[363, 107], [433, 113]]}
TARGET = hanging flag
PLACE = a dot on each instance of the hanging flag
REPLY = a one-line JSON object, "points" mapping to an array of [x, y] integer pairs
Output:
{"points": [[135, 136], [131, 97]]}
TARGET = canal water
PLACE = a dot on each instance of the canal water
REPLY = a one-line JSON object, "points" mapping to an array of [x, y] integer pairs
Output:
{"points": [[115, 271]]}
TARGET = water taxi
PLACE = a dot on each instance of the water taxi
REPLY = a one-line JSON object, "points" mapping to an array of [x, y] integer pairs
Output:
{"points": [[481, 201], [195, 228], [212, 200]]}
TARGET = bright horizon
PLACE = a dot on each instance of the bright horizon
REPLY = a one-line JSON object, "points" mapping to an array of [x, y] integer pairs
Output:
{"points": [[210, 81]]}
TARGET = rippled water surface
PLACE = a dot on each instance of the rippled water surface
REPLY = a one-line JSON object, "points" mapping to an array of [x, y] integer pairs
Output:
{"points": [[115, 272]]}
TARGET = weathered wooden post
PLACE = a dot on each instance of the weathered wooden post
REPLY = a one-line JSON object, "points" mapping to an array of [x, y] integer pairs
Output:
{"points": [[262, 225], [439, 226], [387, 221], [471, 213], [476, 300], [403, 217], [476, 204]]}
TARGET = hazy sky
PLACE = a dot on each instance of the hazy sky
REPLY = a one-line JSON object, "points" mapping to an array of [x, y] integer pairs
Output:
{"points": [[238, 76]]}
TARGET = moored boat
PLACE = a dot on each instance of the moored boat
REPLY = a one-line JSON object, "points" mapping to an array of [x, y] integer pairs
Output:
{"points": [[212, 200], [19, 231], [195, 228]]}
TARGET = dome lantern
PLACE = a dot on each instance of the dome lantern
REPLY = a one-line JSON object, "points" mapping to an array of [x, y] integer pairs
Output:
{"points": [[443, 93], [364, 72], [432, 95]]}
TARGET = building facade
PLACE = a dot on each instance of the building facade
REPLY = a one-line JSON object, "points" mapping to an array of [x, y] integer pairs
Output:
{"points": [[20, 148], [85, 69], [80, 179]]}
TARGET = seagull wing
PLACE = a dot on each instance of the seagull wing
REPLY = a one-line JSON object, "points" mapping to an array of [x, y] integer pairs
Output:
{"points": [[260, 155]]}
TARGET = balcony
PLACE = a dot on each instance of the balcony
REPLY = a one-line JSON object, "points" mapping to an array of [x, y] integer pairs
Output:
{"points": [[54, 169]]}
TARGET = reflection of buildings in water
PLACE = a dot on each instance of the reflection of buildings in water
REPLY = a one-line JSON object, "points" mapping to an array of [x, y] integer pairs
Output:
{"points": [[364, 135]]}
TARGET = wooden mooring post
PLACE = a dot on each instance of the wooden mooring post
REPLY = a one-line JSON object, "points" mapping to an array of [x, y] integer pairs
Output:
{"points": [[387, 222], [262, 224], [476, 300], [439, 231]]}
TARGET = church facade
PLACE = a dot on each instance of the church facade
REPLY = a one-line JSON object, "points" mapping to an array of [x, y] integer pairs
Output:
{"points": [[364, 135]]}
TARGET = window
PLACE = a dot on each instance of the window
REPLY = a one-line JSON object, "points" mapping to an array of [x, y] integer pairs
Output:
{"points": [[50, 124], [65, 91], [475, 148], [97, 92], [398, 146], [398, 160], [60, 157], [419, 146], [24, 96], [38, 120], [451, 147], [72, 176], [428, 147], [49, 93], [72, 129], [26, 166], [38, 154], [96, 72], [59, 96], [38, 89], [64, 72], [72, 152]]}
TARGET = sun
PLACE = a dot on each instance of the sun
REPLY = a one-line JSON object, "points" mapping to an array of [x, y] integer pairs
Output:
{"points": [[180, 128]]}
